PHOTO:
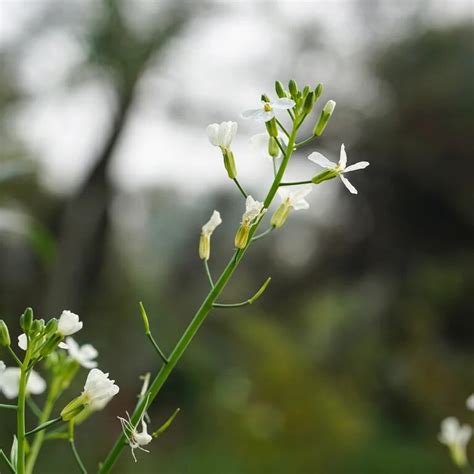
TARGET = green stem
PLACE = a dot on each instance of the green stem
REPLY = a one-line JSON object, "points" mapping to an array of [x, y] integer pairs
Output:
{"points": [[14, 356], [198, 318], [208, 273], [11, 468], [241, 189], [8, 407], [40, 436], [296, 183], [263, 234], [74, 449], [20, 414], [44, 425], [157, 347], [282, 128], [304, 142]]}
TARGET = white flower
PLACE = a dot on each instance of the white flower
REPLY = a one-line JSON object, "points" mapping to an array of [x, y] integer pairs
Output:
{"points": [[98, 389], [85, 354], [296, 199], [470, 402], [22, 341], [135, 439], [2, 366], [222, 134], [456, 438], [210, 226], [69, 323], [340, 168], [267, 110], [10, 382], [253, 209]]}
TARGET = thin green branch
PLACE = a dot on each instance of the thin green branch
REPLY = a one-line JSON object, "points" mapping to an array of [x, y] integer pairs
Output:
{"points": [[157, 348], [275, 170], [241, 189], [296, 183], [33, 407], [263, 234], [14, 356], [166, 424], [304, 142], [44, 426], [77, 457], [6, 406], [280, 146], [208, 273], [10, 466], [251, 300], [282, 127]]}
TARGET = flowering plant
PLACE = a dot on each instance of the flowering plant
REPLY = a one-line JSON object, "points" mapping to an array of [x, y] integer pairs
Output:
{"points": [[50, 345]]}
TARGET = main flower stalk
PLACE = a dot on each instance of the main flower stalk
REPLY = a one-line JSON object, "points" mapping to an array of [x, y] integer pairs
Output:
{"points": [[201, 313]]}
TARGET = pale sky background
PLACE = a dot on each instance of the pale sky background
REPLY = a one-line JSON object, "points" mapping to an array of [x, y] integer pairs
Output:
{"points": [[214, 79]]}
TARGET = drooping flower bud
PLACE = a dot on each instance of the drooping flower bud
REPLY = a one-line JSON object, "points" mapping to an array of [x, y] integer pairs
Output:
{"points": [[4, 334], [324, 118]]}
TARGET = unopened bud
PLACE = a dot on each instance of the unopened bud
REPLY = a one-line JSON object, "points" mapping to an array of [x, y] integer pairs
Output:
{"points": [[204, 247], [280, 90], [273, 149], [308, 103], [51, 327], [318, 91], [305, 91], [37, 326], [229, 163], [280, 215], [324, 118], [272, 127], [293, 87], [4, 334], [26, 320], [242, 236], [265, 98], [50, 345]]}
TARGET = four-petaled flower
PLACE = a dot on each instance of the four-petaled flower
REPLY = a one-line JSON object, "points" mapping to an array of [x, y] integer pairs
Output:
{"points": [[10, 382], [135, 439], [85, 354], [267, 110], [339, 168], [222, 134], [455, 437], [98, 389], [68, 323]]}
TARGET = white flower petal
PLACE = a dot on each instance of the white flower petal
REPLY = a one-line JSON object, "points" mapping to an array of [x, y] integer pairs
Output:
{"points": [[470, 402], [85, 354], [343, 158], [357, 166], [10, 381], [251, 114], [212, 131], [322, 161], [99, 389], [2, 366], [22, 342], [265, 116], [347, 184], [210, 226], [283, 104], [69, 323]]}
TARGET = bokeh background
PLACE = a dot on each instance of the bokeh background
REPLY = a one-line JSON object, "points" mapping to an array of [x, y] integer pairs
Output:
{"points": [[364, 340]]}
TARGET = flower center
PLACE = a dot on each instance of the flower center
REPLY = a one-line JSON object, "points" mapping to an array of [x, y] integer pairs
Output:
{"points": [[267, 107]]}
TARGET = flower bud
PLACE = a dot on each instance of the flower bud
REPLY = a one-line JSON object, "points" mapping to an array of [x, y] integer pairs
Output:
{"points": [[4, 334], [305, 91], [51, 327], [272, 128], [324, 176], [280, 90], [205, 247], [26, 320], [280, 215], [265, 98], [242, 236], [37, 327], [273, 149], [318, 91], [324, 118], [50, 345], [229, 163], [293, 87], [308, 103]]}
